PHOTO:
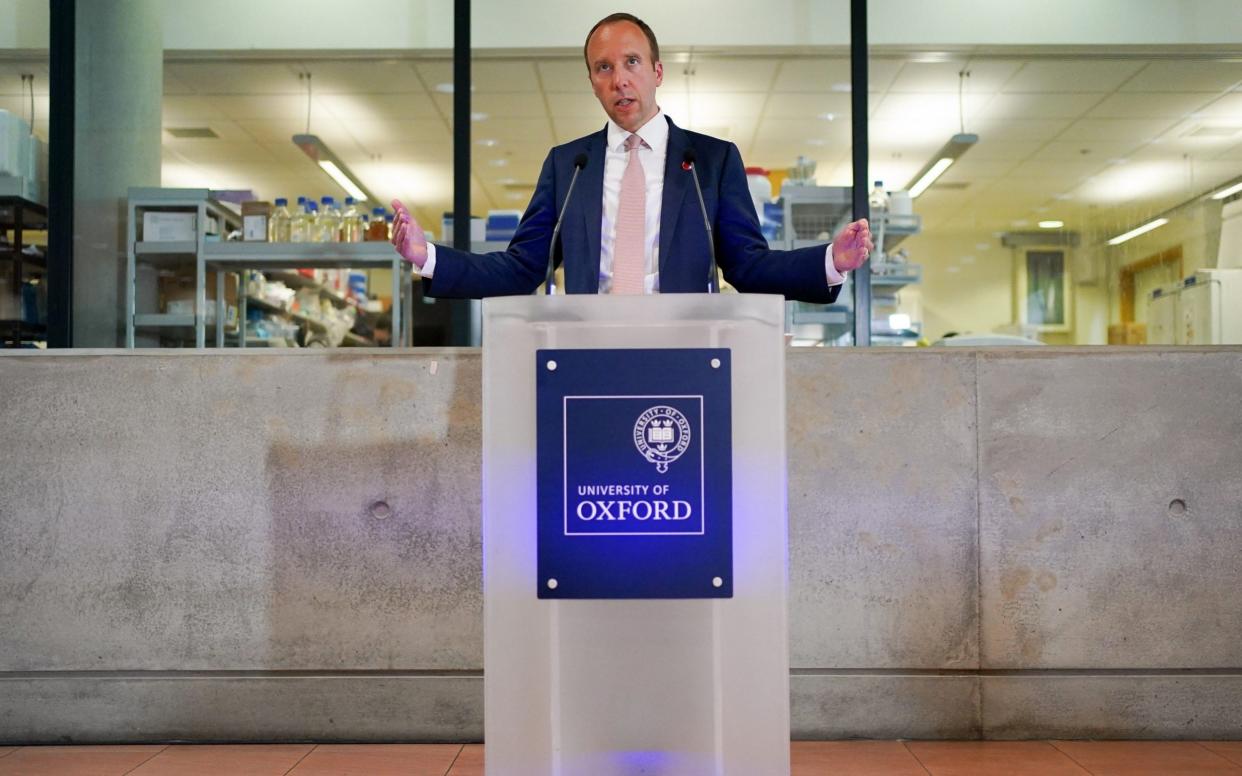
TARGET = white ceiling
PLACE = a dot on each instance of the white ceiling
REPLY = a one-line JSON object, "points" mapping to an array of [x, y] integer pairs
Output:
{"points": [[1097, 142]]}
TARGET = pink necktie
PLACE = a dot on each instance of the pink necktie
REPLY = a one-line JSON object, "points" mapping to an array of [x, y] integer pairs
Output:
{"points": [[629, 265]]}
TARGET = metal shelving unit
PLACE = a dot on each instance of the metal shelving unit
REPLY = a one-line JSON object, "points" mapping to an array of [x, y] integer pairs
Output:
{"points": [[21, 215], [165, 254], [288, 257], [811, 216], [206, 254]]}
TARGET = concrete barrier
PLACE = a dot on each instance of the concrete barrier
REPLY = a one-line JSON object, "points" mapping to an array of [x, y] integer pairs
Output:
{"points": [[267, 546]]}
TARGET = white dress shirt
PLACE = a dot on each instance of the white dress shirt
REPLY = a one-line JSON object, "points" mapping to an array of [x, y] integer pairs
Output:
{"points": [[651, 155]]}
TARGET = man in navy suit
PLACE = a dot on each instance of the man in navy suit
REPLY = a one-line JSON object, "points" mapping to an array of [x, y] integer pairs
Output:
{"points": [[623, 62]]}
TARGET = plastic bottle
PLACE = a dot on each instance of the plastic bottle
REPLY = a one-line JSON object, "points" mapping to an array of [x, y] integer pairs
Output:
{"points": [[314, 229], [329, 220], [280, 225], [352, 228], [376, 228], [301, 226], [879, 197]]}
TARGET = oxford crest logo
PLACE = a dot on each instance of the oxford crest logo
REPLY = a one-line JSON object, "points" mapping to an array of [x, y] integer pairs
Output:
{"points": [[662, 435]]}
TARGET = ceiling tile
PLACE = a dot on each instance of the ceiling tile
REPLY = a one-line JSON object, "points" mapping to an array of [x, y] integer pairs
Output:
{"points": [[1066, 172], [11, 76], [1073, 150], [1228, 108], [503, 106], [395, 132], [273, 130], [813, 75], [1003, 148], [241, 78], [216, 151], [941, 110], [1116, 129], [711, 108], [792, 105], [1232, 154], [505, 76], [566, 129], [1072, 76], [577, 106], [180, 111], [226, 132], [1042, 130], [986, 76], [528, 131], [374, 76], [371, 107], [267, 107], [1032, 105], [1196, 76], [714, 74], [1146, 105], [564, 75], [797, 130]]}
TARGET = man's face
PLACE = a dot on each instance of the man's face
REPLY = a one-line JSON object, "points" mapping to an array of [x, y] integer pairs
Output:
{"points": [[623, 75]]}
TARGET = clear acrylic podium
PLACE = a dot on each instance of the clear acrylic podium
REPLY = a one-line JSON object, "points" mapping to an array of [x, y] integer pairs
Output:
{"points": [[689, 687]]}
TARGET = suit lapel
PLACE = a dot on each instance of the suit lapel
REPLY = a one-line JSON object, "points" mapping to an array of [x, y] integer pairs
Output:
{"points": [[675, 182], [591, 197]]}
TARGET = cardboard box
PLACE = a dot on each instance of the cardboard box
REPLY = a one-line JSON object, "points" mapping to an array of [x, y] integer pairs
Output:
{"points": [[177, 296], [1127, 334], [255, 219], [160, 226]]}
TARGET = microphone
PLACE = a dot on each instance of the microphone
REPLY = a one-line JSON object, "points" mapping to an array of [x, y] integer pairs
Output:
{"points": [[687, 163], [580, 161]]}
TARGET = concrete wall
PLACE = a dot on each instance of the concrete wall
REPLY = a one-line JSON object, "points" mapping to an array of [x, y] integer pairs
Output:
{"points": [[994, 544]]}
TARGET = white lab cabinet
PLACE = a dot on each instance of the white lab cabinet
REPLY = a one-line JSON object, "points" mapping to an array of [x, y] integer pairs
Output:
{"points": [[1162, 315], [1209, 308]]}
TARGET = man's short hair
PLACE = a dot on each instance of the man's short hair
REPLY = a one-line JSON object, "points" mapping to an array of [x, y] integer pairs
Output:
{"points": [[624, 17]]}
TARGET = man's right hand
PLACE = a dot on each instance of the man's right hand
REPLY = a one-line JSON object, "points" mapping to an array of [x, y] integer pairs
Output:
{"points": [[407, 236]]}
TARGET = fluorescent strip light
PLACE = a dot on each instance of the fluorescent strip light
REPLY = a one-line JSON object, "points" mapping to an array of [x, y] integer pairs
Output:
{"points": [[331, 169], [953, 149], [930, 177], [1144, 229], [321, 155], [1051, 224], [1229, 192]]}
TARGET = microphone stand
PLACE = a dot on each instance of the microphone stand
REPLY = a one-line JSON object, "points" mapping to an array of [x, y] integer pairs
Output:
{"points": [[580, 161], [713, 279]]}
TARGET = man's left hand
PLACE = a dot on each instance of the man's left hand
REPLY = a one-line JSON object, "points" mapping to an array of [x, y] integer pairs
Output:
{"points": [[852, 246]]}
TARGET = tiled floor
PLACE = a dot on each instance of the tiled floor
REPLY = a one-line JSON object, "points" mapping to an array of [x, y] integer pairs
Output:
{"points": [[810, 758]]}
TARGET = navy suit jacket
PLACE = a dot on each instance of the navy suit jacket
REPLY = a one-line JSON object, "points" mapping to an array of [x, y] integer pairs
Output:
{"points": [[741, 250]]}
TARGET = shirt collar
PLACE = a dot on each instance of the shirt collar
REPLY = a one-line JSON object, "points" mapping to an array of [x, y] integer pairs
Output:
{"points": [[654, 133]]}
